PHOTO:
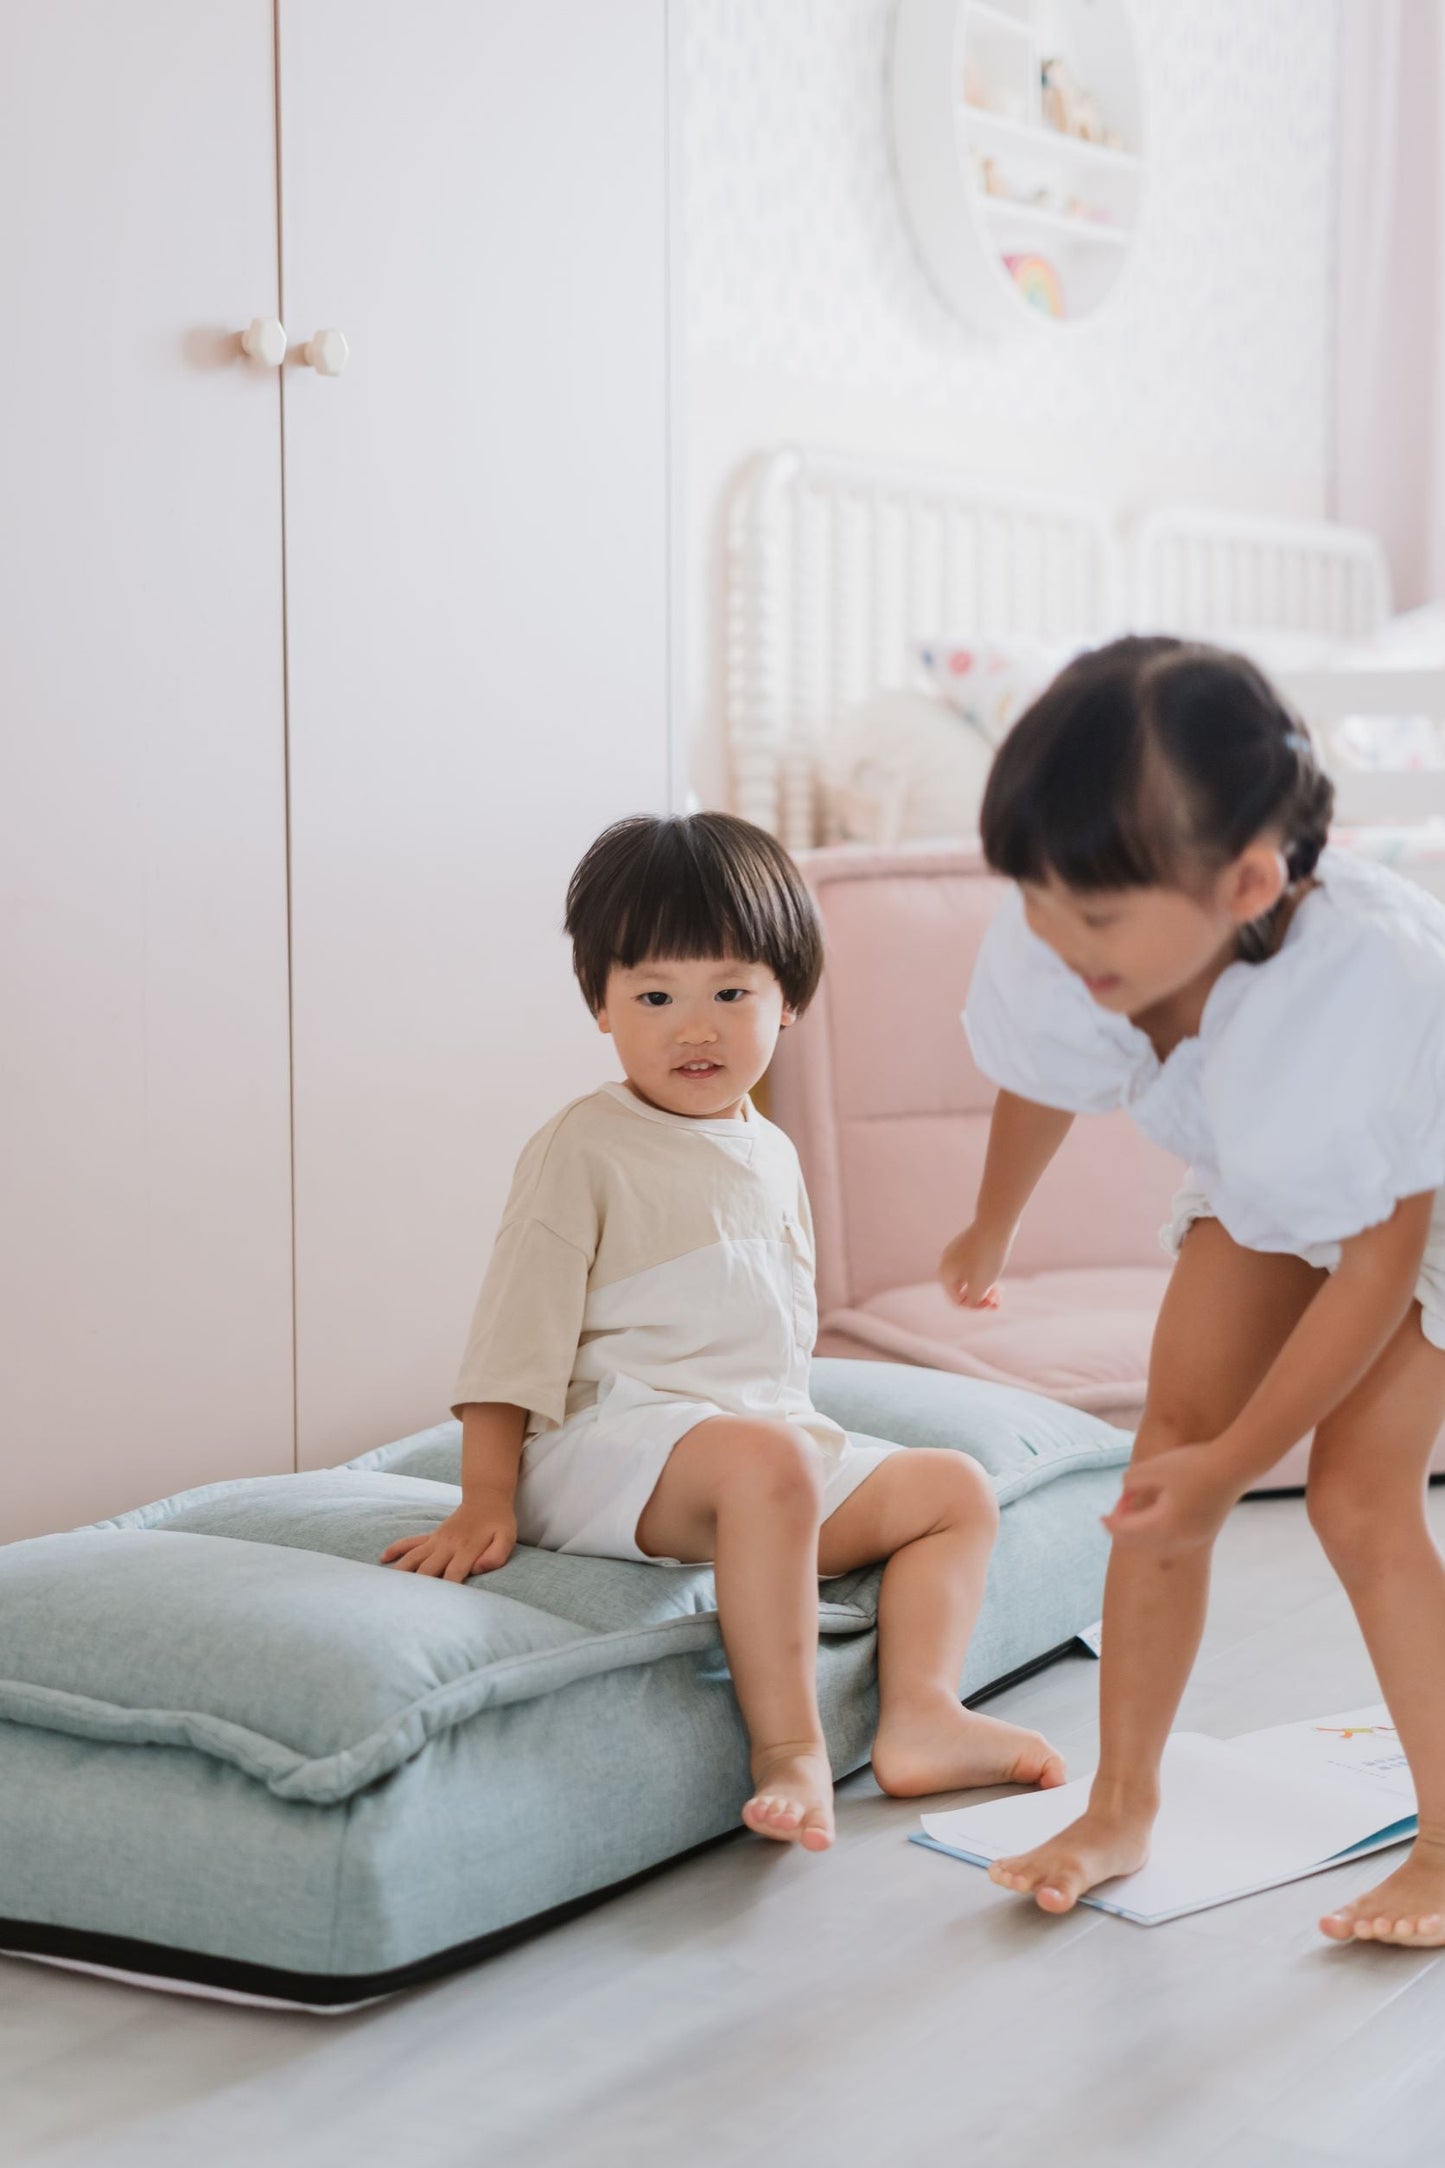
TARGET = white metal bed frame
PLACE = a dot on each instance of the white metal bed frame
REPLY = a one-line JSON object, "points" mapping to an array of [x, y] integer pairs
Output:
{"points": [[838, 566]]}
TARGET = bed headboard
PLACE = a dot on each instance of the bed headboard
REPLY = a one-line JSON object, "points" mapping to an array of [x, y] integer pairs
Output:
{"points": [[837, 566], [1196, 570]]}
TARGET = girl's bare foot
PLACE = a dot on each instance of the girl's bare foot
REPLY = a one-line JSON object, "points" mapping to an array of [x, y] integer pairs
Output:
{"points": [[937, 1746], [1092, 1850], [1407, 1908], [793, 1799]]}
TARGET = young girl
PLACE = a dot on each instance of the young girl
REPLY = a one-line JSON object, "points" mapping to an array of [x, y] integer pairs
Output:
{"points": [[1181, 943], [636, 1380]]}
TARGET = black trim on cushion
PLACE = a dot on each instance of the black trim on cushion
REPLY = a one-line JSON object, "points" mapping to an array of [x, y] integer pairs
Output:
{"points": [[321, 1990]]}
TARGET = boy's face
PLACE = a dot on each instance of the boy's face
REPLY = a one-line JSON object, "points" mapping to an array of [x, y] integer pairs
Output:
{"points": [[694, 1035]]}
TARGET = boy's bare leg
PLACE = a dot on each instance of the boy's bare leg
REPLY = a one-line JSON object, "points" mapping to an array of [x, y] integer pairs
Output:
{"points": [[748, 1496], [933, 1516], [1226, 1314], [1367, 1501]]}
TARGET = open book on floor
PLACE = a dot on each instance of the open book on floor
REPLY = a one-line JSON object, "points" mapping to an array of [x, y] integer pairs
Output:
{"points": [[1238, 1815]]}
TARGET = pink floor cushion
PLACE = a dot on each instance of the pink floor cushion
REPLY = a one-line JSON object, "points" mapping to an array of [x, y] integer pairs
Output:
{"points": [[1080, 1336]]}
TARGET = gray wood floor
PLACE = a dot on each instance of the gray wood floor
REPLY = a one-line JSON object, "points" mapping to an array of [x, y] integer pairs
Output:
{"points": [[881, 2004]]}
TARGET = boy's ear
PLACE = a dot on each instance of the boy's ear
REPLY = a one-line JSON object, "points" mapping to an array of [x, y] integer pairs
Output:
{"points": [[1258, 878], [602, 1023], [789, 1016]]}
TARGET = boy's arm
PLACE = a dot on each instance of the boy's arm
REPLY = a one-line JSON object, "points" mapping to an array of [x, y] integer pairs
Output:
{"points": [[1178, 1498], [481, 1533], [1022, 1139]]}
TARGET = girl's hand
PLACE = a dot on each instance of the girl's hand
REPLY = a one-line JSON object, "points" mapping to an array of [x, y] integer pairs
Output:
{"points": [[969, 1268], [1175, 1501], [480, 1536]]}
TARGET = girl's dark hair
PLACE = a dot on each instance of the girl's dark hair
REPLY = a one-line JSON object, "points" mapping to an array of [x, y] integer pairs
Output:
{"points": [[1147, 759], [697, 884]]}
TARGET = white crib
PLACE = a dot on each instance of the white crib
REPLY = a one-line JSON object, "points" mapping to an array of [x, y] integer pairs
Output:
{"points": [[838, 567]]}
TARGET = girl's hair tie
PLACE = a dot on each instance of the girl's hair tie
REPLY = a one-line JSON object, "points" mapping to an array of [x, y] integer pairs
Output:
{"points": [[1299, 743]]}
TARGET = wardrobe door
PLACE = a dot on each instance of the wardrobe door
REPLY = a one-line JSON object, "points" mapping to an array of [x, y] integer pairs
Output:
{"points": [[145, 1321], [474, 196]]}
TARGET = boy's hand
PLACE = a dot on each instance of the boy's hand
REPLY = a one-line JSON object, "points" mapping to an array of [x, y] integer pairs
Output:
{"points": [[1174, 1501], [969, 1268], [480, 1536]]}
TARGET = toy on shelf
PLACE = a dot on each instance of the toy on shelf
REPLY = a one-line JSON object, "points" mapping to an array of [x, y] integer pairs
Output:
{"points": [[1071, 110], [1038, 282], [1000, 186]]}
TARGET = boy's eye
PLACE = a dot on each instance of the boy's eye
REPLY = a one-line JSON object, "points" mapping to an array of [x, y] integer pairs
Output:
{"points": [[655, 999], [733, 993]]}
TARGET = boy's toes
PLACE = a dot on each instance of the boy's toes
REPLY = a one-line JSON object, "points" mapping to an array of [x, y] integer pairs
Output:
{"points": [[794, 1800], [765, 1812], [817, 1831]]}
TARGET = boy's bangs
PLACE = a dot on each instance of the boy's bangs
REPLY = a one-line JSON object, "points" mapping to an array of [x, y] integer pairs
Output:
{"points": [[694, 902], [692, 886]]}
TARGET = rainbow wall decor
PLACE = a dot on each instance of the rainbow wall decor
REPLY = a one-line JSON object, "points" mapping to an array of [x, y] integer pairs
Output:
{"points": [[1038, 282]]}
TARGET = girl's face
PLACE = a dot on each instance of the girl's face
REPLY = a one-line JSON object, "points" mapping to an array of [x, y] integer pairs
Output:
{"points": [[1136, 947], [693, 1035]]}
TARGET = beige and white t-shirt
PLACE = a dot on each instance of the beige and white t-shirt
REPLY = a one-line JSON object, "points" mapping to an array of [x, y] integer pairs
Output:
{"points": [[651, 1250]]}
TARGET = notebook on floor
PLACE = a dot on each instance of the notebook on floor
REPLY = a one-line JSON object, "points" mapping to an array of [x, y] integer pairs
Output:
{"points": [[1238, 1815]]}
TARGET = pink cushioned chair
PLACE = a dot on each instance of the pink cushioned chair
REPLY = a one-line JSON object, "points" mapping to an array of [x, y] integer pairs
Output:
{"points": [[877, 1089]]}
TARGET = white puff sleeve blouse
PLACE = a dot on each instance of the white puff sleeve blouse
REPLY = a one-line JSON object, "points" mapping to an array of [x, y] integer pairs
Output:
{"points": [[1312, 1099]]}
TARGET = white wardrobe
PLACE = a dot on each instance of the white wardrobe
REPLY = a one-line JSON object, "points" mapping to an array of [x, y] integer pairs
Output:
{"points": [[312, 688]]}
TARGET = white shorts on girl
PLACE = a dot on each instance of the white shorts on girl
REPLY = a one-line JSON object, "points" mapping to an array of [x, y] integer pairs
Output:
{"points": [[1192, 1204], [584, 1486]]}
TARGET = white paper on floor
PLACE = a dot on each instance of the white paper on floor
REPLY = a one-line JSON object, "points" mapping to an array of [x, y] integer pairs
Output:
{"points": [[1237, 1815]]}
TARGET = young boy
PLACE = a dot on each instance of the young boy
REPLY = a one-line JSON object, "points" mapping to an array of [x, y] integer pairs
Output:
{"points": [[636, 1380]]}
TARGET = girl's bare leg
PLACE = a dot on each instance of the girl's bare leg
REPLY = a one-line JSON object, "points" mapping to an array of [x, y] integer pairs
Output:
{"points": [[748, 1496], [1226, 1314], [1367, 1502], [933, 1516]]}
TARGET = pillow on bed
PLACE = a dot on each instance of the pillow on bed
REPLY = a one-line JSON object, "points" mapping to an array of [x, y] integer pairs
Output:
{"points": [[989, 683]]}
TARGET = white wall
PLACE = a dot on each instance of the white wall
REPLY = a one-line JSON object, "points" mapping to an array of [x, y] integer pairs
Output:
{"points": [[809, 317]]}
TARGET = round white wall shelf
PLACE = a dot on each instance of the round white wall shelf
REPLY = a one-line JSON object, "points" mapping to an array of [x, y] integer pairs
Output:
{"points": [[1018, 126]]}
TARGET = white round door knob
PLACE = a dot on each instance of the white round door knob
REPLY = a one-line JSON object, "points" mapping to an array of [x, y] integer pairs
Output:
{"points": [[265, 341], [327, 353]]}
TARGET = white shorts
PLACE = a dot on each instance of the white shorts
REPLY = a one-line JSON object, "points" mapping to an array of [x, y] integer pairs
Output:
{"points": [[1191, 1204], [583, 1486]]}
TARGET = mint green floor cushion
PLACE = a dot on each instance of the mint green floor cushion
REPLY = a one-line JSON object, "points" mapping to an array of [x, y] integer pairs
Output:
{"points": [[236, 1751]]}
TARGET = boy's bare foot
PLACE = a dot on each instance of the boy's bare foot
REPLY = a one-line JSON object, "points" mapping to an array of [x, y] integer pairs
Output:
{"points": [[1408, 1907], [937, 1746], [1090, 1851], [793, 1801]]}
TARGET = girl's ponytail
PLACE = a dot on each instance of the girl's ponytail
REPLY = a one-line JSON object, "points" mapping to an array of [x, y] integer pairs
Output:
{"points": [[1307, 813]]}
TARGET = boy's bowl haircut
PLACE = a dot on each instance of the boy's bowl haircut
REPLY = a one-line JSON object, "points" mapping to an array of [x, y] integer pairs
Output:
{"points": [[689, 886]]}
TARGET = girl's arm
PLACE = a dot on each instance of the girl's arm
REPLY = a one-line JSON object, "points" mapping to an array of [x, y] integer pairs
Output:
{"points": [[482, 1532], [1022, 1138], [1180, 1497]]}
